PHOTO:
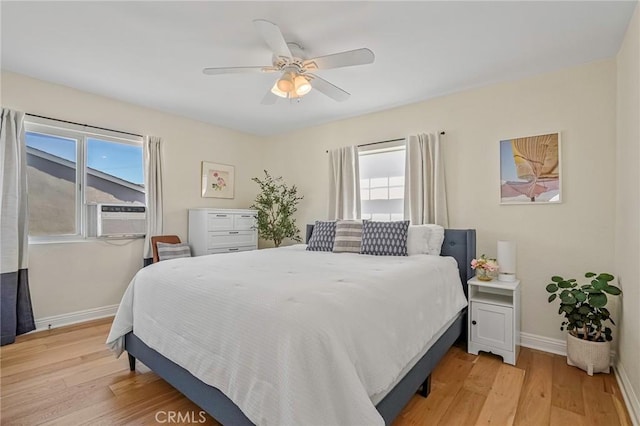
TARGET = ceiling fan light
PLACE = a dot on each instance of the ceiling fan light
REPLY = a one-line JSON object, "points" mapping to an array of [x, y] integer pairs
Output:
{"points": [[285, 83], [276, 91], [302, 85]]}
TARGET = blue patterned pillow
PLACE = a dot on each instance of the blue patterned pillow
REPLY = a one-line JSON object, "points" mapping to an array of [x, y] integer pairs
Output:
{"points": [[322, 237], [384, 238]]}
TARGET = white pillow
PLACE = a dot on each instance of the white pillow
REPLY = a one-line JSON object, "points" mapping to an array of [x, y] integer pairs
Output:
{"points": [[425, 239]]}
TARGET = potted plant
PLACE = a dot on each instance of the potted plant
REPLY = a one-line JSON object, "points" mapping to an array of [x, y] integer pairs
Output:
{"points": [[585, 314], [276, 203]]}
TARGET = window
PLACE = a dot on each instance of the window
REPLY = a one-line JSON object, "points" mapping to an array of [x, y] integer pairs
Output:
{"points": [[382, 183], [114, 173], [69, 168]]}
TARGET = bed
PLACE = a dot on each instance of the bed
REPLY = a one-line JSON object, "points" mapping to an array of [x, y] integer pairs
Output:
{"points": [[373, 404]]}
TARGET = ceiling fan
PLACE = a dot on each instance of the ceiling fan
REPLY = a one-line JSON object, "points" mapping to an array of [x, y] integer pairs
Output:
{"points": [[296, 80]]}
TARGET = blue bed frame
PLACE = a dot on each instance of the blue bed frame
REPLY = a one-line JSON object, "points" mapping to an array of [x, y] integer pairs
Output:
{"points": [[458, 243]]}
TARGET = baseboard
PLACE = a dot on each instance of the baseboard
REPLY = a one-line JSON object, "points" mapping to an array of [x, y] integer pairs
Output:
{"points": [[630, 398], [47, 323], [545, 344], [548, 344]]}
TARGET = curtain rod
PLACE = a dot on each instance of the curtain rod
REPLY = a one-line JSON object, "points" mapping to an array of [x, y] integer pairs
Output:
{"points": [[84, 125], [388, 140]]}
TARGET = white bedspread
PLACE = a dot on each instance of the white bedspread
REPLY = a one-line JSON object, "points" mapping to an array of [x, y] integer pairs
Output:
{"points": [[292, 337]]}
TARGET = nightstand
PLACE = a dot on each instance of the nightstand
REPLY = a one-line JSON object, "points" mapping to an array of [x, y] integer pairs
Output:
{"points": [[494, 318]]}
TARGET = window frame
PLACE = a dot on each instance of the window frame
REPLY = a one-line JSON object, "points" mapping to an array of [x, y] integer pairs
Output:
{"points": [[81, 134]]}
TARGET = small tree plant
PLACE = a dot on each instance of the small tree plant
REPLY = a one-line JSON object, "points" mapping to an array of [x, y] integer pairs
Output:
{"points": [[583, 306], [276, 203]]}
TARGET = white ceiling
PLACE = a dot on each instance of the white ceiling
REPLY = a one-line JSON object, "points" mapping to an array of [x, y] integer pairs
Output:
{"points": [[152, 53]]}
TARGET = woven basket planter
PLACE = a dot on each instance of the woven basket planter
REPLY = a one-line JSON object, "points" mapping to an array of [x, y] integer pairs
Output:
{"points": [[592, 357]]}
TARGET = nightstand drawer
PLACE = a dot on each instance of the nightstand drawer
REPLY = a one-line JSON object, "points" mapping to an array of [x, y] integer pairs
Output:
{"points": [[492, 325]]}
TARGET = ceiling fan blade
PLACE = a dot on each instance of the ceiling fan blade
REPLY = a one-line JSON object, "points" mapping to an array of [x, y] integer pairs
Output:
{"points": [[271, 34], [237, 70], [323, 86], [269, 98], [343, 59]]}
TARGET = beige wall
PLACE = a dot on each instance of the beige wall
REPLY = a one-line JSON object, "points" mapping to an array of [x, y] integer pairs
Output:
{"points": [[627, 247], [71, 277], [567, 239]]}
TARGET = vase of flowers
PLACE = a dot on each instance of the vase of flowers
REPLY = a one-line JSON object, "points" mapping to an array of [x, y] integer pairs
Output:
{"points": [[484, 268]]}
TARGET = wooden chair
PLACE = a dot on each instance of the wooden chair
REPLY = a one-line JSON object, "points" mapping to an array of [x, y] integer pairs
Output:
{"points": [[170, 239]]}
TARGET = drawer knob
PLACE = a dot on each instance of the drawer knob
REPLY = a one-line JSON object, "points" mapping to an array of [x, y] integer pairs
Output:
{"points": [[233, 232], [474, 322], [221, 215], [233, 249]]}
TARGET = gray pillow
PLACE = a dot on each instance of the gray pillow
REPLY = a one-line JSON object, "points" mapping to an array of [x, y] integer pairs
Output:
{"points": [[322, 237], [348, 236], [168, 251], [384, 238]]}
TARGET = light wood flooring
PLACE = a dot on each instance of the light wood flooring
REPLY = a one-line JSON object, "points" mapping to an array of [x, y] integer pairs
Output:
{"points": [[67, 377]]}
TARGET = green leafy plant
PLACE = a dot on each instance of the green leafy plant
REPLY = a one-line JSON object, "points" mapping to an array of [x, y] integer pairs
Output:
{"points": [[583, 306], [276, 203]]}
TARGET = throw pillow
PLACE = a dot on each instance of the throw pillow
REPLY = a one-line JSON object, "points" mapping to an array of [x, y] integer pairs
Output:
{"points": [[322, 237], [348, 236], [168, 251], [425, 239], [384, 238]]}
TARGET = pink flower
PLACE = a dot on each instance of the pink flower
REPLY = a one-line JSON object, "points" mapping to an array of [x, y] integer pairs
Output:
{"points": [[215, 174], [482, 262]]}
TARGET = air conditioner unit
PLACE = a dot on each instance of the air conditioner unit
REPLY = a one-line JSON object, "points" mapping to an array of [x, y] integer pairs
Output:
{"points": [[116, 220]]}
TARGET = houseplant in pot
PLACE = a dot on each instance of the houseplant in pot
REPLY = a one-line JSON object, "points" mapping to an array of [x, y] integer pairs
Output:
{"points": [[276, 204], [585, 317]]}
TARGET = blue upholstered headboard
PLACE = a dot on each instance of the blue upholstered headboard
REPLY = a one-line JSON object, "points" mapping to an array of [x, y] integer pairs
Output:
{"points": [[458, 243]]}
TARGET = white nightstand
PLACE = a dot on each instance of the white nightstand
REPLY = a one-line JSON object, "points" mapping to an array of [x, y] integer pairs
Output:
{"points": [[494, 318]]}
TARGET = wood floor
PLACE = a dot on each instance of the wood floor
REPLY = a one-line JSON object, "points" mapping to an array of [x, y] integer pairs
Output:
{"points": [[68, 377]]}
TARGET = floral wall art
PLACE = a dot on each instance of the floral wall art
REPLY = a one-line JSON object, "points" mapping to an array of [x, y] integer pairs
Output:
{"points": [[530, 170], [217, 180]]}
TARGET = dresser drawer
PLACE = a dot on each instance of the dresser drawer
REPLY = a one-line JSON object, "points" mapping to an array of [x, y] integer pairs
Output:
{"points": [[230, 250], [219, 221], [244, 222], [222, 239]]}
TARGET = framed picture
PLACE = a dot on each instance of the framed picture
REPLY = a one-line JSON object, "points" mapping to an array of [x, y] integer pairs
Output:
{"points": [[217, 180], [530, 170]]}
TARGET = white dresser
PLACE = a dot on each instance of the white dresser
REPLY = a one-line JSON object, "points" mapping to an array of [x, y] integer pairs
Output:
{"points": [[222, 231]]}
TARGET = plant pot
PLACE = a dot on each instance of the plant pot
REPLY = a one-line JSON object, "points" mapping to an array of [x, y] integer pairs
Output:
{"points": [[592, 357]]}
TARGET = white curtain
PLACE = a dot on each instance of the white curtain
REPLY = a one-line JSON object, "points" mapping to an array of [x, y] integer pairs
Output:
{"points": [[425, 198], [16, 309], [153, 186], [344, 183]]}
